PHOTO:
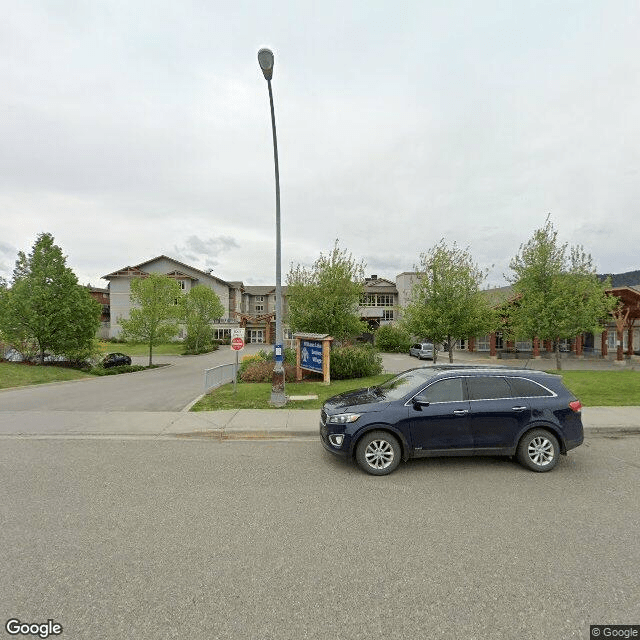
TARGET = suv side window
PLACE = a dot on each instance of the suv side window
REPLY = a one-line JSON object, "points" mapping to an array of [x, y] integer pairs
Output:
{"points": [[447, 390], [488, 388], [524, 388]]}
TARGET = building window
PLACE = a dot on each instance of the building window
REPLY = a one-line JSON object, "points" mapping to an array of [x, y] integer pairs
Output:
{"points": [[259, 298], [221, 334], [183, 284], [259, 308], [483, 343], [387, 314], [376, 300]]}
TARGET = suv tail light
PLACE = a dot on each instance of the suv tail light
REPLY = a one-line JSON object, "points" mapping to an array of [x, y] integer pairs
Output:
{"points": [[576, 405]]}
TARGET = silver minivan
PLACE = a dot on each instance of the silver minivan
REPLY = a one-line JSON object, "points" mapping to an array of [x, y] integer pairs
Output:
{"points": [[422, 350]]}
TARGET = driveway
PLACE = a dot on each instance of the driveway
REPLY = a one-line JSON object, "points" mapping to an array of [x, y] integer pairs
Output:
{"points": [[165, 389]]}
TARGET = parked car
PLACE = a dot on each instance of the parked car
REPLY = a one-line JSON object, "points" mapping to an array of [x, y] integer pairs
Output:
{"points": [[421, 350], [115, 360], [454, 411]]}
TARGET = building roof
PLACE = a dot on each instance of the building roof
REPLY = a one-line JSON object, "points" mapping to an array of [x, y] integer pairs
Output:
{"points": [[259, 290], [137, 269], [630, 297]]}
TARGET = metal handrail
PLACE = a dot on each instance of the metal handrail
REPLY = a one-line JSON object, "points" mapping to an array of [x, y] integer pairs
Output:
{"points": [[217, 376]]}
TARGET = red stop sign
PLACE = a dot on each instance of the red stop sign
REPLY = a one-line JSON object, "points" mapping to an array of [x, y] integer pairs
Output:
{"points": [[237, 344]]}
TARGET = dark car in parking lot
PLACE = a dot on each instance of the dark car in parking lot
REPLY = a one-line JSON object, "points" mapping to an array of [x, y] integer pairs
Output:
{"points": [[115, 360], [454, 411]]}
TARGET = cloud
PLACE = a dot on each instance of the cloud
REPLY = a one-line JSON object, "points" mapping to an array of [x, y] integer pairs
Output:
{"points": [[8, 255], [204, 252], [196, 247]]}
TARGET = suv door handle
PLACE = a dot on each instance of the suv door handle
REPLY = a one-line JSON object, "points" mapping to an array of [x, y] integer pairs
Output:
{"points": [[519, 408], [460, 412]]}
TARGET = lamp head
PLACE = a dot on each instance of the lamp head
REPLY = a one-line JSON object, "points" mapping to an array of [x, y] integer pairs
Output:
{"points": [[265, 59]]}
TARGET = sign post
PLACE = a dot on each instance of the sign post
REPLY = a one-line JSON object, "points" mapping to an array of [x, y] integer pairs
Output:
{"points": [[237, 345], [312, 354]]}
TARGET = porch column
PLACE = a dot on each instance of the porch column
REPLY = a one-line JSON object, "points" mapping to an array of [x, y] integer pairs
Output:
{"points": [[548, 346], [604, 343], [536, 348], [579, 346], [492, 344], [472, 345]]}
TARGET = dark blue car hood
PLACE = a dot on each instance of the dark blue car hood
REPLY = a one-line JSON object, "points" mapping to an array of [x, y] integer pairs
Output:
{"points": [[361, 401]]}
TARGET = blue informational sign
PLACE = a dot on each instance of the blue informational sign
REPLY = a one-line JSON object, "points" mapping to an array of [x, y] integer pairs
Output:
{"points": [[278, 353], [311, 355]]}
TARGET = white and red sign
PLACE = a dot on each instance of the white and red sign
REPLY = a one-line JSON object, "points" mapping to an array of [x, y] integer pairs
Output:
{"points": [[237, 339]]}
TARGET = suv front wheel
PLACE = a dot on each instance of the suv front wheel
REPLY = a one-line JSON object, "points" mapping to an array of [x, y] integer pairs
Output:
{"points": [[538, 450], [378, 453]]}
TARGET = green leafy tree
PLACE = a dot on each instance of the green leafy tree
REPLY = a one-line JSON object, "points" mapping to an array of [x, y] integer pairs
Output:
{"points": [[45, 309], [446, 301], [393, 339], [559, 293], [155, 319], [199, 307], [325, 297]]}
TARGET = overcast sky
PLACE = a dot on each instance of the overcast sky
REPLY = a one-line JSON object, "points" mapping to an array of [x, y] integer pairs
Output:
{"points": [[130, 129]]}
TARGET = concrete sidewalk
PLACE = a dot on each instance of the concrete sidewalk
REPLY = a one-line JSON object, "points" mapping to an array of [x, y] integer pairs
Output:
{"points": [[229, 424]]}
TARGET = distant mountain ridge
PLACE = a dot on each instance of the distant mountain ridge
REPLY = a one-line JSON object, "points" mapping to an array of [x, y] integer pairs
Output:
{"points": [[628, 279]]}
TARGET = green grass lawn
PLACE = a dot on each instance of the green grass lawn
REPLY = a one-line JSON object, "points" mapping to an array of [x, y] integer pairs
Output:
{"points": [[256, 395], [136, 349], [593, 388], [604, 388], [13, 374]]}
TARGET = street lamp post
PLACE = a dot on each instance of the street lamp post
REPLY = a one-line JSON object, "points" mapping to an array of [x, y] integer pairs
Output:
{"points": [[278, 398]]}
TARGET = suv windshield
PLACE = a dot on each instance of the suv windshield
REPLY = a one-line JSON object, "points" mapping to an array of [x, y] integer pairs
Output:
{"points": [[404, 383]]}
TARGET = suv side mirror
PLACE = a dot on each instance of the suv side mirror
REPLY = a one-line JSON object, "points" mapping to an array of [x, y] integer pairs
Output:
{"points": [[418, 403]]}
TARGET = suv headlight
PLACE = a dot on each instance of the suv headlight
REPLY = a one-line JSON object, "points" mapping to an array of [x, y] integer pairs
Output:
{"points": [[343, 418]]}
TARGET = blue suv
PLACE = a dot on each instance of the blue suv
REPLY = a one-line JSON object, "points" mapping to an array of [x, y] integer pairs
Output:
{"points": [[454, 411]]}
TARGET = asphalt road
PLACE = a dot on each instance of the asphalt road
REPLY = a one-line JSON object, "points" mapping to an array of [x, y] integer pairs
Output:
{"points": [[164, 389], [122, 539]]}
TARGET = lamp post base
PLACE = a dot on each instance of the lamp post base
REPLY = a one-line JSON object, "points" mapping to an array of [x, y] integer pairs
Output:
{"points": [[278, 397]]}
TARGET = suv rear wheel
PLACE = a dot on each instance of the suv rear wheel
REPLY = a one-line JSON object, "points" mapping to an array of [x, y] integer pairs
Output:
{"points": [[538, 450], [378, 453]]}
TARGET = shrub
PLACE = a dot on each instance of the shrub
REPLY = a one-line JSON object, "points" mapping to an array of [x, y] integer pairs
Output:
{"points": [[392, 339], [355, 362], [190, 349], [125, 368], [262, 371], [263, 356]]}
